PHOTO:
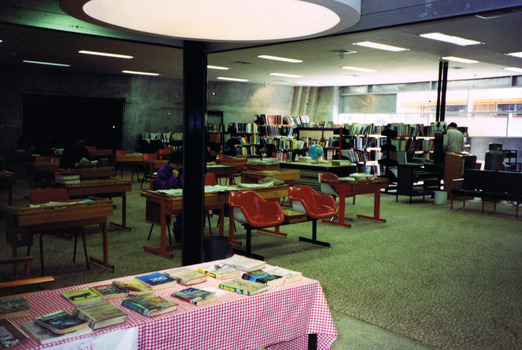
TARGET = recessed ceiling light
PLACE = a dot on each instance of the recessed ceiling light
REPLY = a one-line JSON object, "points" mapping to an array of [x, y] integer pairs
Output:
{"points": [[380, 46], [140, 73], [514, 69], [458, 59], [217, 67], [232, 79], [359, 69], [105, 54], [450, 39], [47, 63], [282, 59], [515, 54], [285, 75], [231, 20]]}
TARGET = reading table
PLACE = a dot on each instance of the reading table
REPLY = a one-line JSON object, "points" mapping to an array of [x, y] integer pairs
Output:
{"points": [[293, 315], [7, 180], [223, 172]]}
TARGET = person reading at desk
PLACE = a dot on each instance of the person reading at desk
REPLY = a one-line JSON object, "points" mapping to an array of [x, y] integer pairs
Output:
{"points": [[213, 150], [75, 155], [171, 176]]}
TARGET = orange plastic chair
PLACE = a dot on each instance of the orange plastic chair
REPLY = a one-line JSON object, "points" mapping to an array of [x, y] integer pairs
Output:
{"points": [[148, 168], [329, 188], [165, 152], [251, 209], [317, 206]]}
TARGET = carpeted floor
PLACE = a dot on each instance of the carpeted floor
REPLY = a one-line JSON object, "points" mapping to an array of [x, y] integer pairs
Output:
{"points": [[450, 279]]}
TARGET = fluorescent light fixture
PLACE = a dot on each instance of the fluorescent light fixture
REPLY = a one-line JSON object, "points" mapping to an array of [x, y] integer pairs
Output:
{"points": [[285, 75], [458, 59], [282, 59], [232, 79], [140, 73], [515, 54], [380, 46], [306, 83], [450, 39], [359, 69], [225, 20], [217, 67], [47, 63], [105, 54], [514, 69]]}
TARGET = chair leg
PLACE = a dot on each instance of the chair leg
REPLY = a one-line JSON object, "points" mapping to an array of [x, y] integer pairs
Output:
{"points": [[150, 232], [85, 252], [209, 225], [75, 243], [41, 255], [168, 230]]}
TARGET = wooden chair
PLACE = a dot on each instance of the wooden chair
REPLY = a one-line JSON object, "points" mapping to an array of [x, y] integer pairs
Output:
{"points": [[17, 283], [55, 195]]}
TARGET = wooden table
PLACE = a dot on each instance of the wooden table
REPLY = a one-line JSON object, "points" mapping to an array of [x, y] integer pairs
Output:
{"points": [[349, 188], [99, 154], [41, 171], [223, 171], [23, 219], [107, 188], [310, 171], [7, 180], [132, 160], [287, 175]]}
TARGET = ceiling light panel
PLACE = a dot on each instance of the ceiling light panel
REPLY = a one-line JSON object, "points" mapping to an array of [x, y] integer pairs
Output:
{"points": [[47, 63], [515, 54], [285, 75], [450, 39], [232, 79], [105, 54], [380, 46], [358, 69], [217, 67], [514, 69], [282, 59], [458, 59], [140, 73]]}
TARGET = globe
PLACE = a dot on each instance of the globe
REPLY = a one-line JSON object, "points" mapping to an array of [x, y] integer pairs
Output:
{"points": [[315, 152]]}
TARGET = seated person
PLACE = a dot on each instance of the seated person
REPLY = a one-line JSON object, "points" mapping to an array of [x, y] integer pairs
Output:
{"points": [[75, 155], [213, 150], [171, 176], [231, 145]]}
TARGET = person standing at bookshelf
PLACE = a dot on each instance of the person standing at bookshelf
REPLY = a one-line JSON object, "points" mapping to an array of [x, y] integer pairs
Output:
{"points": [[454, 139], [171, 176]]}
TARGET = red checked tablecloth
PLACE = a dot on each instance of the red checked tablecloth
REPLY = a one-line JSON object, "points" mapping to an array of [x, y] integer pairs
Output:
{"points": [[279, 319]]}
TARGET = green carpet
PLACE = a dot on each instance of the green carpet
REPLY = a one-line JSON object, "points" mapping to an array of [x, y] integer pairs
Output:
{"points": [[447, 278]]}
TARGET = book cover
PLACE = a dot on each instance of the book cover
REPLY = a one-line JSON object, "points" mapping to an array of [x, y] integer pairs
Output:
{"points": [[242, 286], [263, 277], [10, 334], [61, 322], [157, 280], [12, 307], [79, 297], [133, 287], [45, 335], [220, 271], [100, 315], [243, 263], [195, 295], [288, 275], [109, 291], [149, 304], [187, 276]]}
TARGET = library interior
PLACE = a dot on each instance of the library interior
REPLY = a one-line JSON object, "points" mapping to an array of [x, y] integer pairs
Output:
{"points": [[353, 185]]}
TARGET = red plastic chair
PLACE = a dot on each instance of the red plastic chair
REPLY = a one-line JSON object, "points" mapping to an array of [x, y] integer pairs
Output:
{"points": [[148, 167], [210, 179], [329, 188], [317, 206], [250, 208], [165, 152]]}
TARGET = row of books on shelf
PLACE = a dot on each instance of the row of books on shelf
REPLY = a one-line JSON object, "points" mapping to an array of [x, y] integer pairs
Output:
{"points": [[362, 129], [241, 128], [93, 308], [282, 120], [411, 145], [214, 127], [402, 129]]}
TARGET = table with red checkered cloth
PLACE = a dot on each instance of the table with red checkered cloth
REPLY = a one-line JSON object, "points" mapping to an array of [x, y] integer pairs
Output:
{"points": [[280, 318]]}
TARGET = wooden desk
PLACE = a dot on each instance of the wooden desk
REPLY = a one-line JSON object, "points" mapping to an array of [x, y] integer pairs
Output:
{"points": [[107, 188], [260, 166], [352, 188], [223, 171], [23, 219], [99, 154], [41, 171], [310, 171], [102, 172], [133, 160], [287, 175], [7, 180], [293, 315]]}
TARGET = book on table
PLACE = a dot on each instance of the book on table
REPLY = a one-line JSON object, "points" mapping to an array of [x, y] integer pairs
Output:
{"points": [[61, 322], [11, 307], [195, 295], [220, 271], [83, 296], [10, 334], [242, 286], [45, 335], [149, 304], [288, 275], [263, 277], [157, 280], [243, 263], [100, 315], [186, 276], [133, 287], [109, 291]]}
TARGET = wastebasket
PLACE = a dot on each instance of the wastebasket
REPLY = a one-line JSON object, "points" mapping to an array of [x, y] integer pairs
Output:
{"points": [[440, 197], [215, 247]]}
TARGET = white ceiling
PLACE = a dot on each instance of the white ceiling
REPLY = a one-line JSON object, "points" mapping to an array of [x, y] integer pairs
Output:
{"points": [[321, 62]]}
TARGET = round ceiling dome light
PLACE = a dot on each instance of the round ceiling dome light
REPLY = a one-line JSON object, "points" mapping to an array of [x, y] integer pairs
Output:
{"points": [[221, 20]]}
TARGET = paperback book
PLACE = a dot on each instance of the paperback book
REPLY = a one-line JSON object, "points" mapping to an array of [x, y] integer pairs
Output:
{"points": [[100, 315], [186, 276], [133, 287], [263, 277], [195, 295], [45, 335], [288, 275], [61, 322], [10, 334], [12, 307], [242, 286], [220, 271], [109, 291], [157, 280], [149, 304], [84, 296], [243, 263]]}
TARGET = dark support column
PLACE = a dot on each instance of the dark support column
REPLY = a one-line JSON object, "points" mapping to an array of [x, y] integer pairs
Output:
{"points": [[195, 106], [441, 111]]}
